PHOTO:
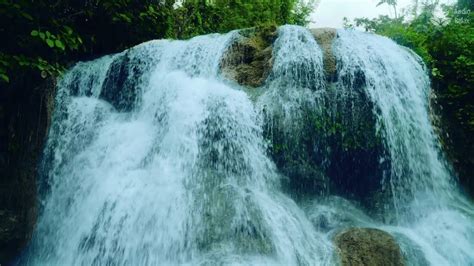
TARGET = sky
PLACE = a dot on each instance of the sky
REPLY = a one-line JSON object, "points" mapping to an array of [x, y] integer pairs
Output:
{"points": [[330, 13]]}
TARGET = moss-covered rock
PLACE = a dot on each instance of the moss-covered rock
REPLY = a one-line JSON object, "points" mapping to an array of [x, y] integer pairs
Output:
{"points": [[228, 214], [358, 159], [298, 152], [367, 246], [324, 37], [336, 146], [248, 61]]}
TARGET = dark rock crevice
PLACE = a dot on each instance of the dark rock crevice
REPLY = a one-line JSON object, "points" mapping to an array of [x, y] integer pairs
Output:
{"points": [[25, 116]]}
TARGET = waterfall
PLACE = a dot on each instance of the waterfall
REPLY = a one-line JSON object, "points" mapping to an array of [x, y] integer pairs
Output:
{"points": [[427, 206], [154, 158], [397, 84]]}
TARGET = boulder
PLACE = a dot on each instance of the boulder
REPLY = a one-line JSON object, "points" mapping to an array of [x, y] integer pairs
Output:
{"points": [[248, 61], [367, 246], [324, 37], [120, 85], [335, 146]]}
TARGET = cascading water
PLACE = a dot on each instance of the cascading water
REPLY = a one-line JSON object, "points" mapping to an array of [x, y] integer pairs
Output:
{"points": [[154, 159], [398, 85], [423, 209]]}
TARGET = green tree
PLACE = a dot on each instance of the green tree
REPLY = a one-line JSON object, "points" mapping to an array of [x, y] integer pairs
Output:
{"points": [[392, 3], [45, 35]]}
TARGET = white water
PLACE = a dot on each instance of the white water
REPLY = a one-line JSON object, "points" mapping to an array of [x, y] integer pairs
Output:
{"points": [[184, 177]]}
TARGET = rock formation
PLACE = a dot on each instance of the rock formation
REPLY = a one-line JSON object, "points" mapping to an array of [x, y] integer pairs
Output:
{"points": [[367, 246], [25, 116], [325, 37], [248, 61]]}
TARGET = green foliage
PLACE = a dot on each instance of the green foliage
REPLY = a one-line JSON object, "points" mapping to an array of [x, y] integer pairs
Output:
{"points": [[388, 2], [404, 33], [46, 35], [452, 46]]}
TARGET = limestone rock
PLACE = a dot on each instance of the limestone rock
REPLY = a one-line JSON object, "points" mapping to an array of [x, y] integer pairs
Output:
{"points": [[324, 37], [367, 246], [249, 60]]}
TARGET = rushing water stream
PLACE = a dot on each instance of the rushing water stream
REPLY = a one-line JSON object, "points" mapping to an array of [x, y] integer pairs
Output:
{"points": [[155, 159]]}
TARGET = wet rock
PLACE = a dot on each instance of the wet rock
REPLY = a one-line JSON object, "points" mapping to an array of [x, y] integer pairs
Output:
{"points": [[336, 149], [10, 232], [336, 146], [358, 157], [120, 86], [359, 160], [25, 116], [221, 159], [324, 37], [367, 246], [249, 60], [299, 154]]}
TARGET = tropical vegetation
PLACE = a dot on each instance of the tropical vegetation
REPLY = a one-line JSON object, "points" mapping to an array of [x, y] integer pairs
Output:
{"points": [[42, 37]]}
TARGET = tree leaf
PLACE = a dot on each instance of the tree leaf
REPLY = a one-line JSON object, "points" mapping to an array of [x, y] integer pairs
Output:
{"points": [[27, 16], [68, 29], [124, 17], [4, 77], [50, 43], [42, 36], [34, 33], [59, 44]]}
